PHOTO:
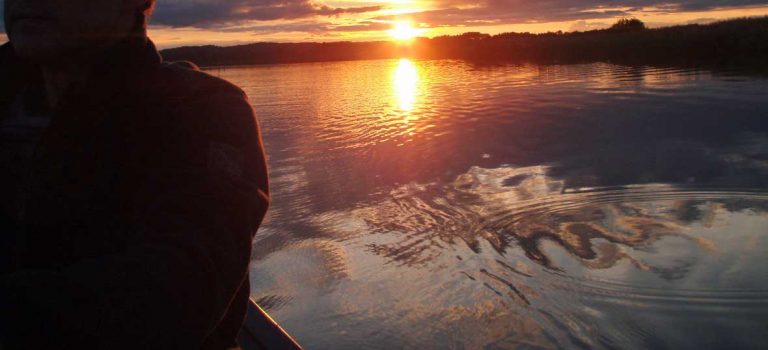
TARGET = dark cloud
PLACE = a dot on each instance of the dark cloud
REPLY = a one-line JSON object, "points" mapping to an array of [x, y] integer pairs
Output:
{"points": [[295, 27], [225, 14], [220, 13], [312, 27], [711, 4], [234, 15], [363, 27], [487, 12]]}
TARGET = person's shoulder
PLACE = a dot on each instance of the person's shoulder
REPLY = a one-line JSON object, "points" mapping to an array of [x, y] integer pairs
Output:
{"points": [[186, 78], [209, 103]]}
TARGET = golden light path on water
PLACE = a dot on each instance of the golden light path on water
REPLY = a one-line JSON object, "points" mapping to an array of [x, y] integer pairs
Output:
{"points": [[406, 84]]}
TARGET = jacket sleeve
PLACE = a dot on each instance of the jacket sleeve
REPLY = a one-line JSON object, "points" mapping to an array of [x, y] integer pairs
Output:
{"points": [[198, 200]]}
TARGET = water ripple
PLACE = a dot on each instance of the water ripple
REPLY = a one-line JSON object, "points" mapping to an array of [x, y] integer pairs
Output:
{"points": [[441, 204]]}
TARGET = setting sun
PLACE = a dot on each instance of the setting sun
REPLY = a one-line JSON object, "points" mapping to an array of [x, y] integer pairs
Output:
{"points": [[403, 30]]}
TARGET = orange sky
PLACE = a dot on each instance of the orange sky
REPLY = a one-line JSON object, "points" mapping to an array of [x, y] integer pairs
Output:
{"points": [[202, 22], [375, 25]]}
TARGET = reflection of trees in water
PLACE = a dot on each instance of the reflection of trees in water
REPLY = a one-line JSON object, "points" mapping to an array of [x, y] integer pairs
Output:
{"points": [[524, 207], [613, 227]]}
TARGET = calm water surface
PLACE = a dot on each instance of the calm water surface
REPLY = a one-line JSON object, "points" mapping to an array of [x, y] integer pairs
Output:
{"points": [[443, 205]]}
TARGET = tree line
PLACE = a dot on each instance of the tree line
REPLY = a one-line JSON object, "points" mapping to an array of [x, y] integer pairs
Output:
{"points": [[743, 40]]}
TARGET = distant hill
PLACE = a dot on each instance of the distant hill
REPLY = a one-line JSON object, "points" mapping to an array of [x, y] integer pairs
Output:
{"points": [[628, 41]]}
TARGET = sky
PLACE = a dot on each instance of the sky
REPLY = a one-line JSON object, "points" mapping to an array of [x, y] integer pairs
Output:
{"points": [[229, 22]]}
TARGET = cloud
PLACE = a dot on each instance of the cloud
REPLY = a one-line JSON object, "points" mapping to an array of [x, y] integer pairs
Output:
{"points": [[237, 15], [225, 20], [290, 27], [245, 15], [363, 26], [702, 5], [455, 12], [310, 26], [221, 13]]}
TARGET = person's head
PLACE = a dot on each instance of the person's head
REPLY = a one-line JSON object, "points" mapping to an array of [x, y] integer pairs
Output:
{"points": [[48, 31]]}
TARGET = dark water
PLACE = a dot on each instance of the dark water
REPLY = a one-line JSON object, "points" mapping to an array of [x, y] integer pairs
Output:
{"points": [[441, 205]]}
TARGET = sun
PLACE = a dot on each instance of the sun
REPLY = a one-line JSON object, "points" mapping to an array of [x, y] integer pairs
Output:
{"points": [[404, 30]]}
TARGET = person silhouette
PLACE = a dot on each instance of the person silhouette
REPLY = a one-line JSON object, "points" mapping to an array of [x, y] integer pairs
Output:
{"points": [[130, 188]]}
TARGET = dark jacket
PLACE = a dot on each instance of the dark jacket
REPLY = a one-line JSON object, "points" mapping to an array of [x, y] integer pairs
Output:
{"points": [[131, 226]]}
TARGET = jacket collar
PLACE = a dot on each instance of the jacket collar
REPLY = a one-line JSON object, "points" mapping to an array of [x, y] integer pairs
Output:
{"points": [[14, 74]]}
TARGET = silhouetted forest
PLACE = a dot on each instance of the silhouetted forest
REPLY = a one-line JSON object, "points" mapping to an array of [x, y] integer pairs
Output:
{"points": [[628, 41]]}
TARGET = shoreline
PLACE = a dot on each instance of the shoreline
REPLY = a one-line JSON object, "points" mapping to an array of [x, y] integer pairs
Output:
{"points": [[735, 41]]}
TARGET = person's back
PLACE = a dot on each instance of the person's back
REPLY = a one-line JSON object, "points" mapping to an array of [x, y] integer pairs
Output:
{"points": [[130, 192]]}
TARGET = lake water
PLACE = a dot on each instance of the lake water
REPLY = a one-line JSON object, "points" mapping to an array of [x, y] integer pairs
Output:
{"points": [[446, 205]]}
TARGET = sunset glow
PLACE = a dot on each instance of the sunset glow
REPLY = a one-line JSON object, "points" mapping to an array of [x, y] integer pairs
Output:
{"points": [[182, 23], [404, 30], [405, 84]]}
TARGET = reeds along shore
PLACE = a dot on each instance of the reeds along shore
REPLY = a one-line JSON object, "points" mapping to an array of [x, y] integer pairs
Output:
{"points": [[727, 42]]}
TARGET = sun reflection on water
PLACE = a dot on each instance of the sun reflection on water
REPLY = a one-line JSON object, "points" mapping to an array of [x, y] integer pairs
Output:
{"points": [[406, 84]]}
